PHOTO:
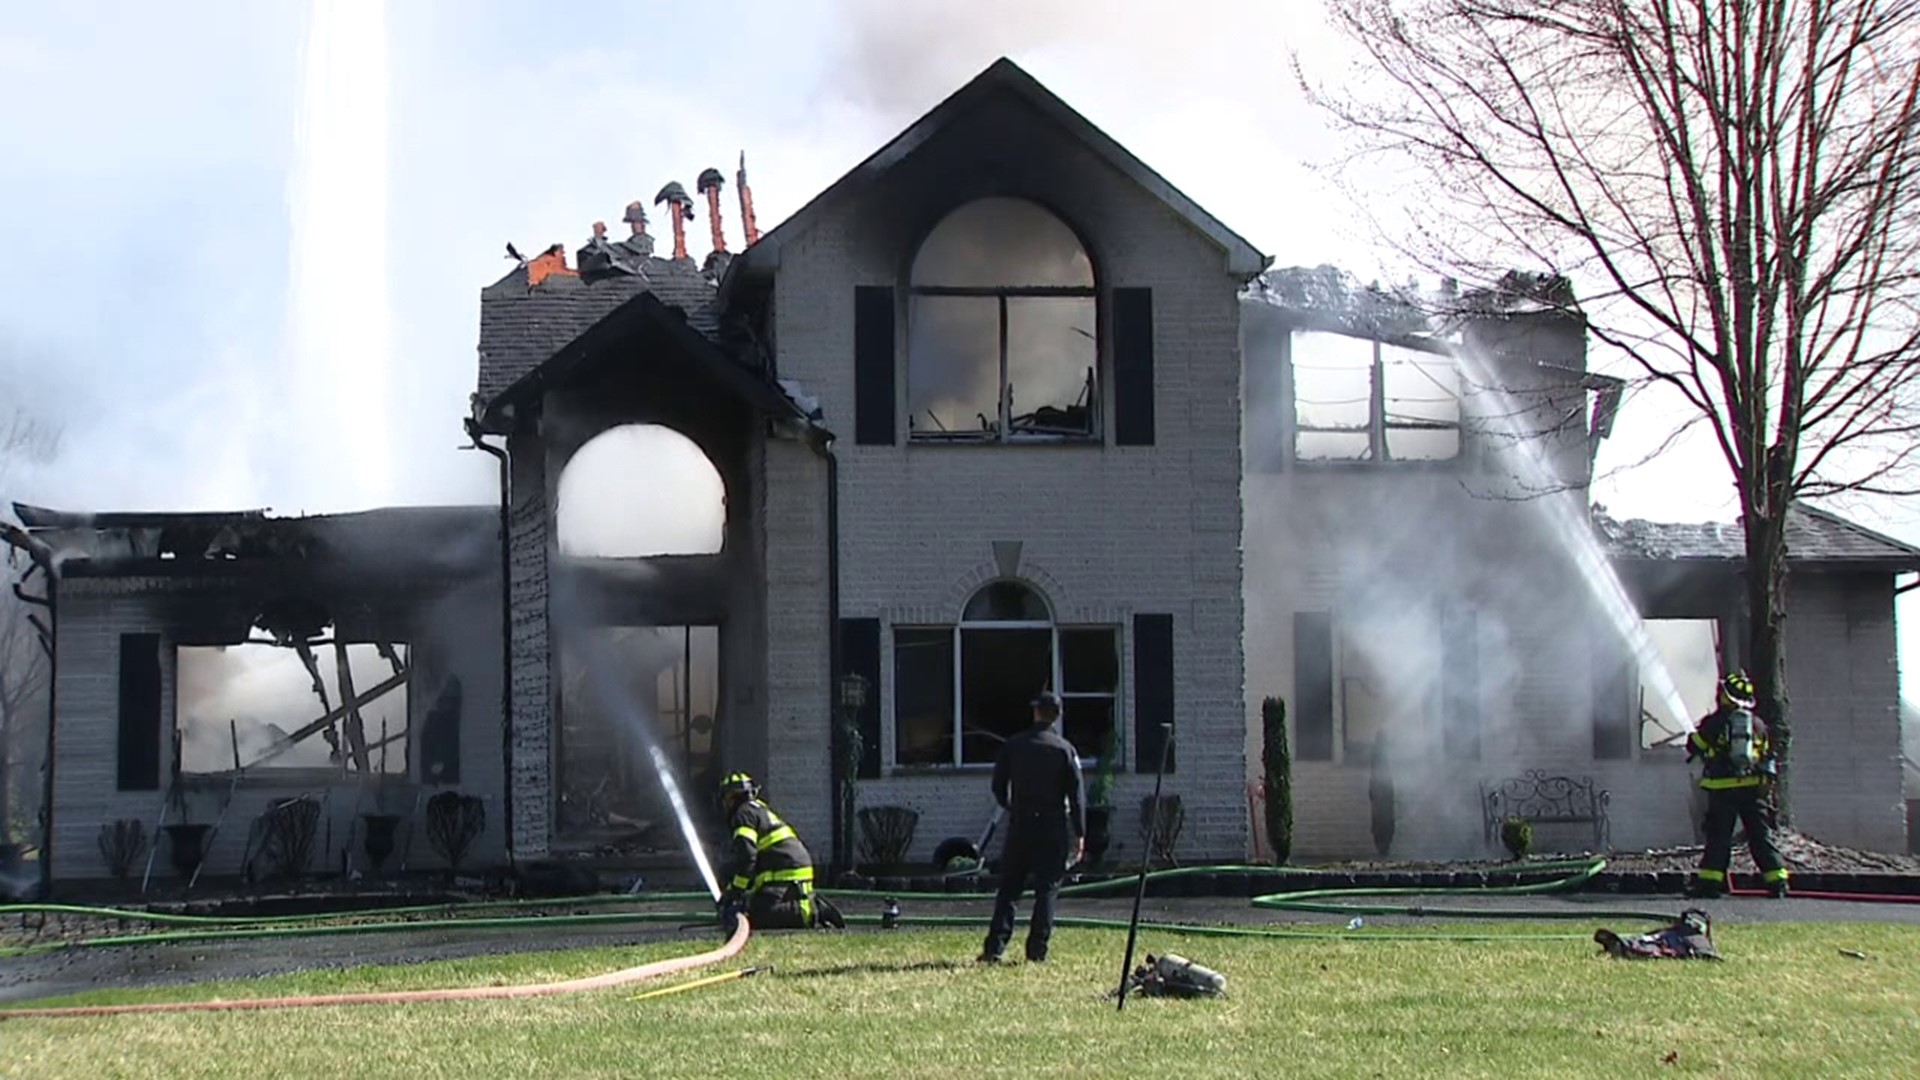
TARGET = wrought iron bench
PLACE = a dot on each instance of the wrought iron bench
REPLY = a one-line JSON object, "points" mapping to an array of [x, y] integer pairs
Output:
{"points": [[1547, 800]]}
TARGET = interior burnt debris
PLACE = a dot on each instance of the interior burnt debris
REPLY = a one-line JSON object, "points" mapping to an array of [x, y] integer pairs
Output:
{"points": [[286, 628], [1003, 331]]}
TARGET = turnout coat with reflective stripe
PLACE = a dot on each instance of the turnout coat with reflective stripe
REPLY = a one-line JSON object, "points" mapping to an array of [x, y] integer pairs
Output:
{"points": [[764, 850], [1710, 743]]}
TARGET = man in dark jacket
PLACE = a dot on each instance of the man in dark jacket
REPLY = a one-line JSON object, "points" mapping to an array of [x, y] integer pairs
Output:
{"points": [[769, 871], [1738, 779], [1036, 780]]}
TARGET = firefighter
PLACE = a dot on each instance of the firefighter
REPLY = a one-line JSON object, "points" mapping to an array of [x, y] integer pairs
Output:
{"points": [[1739, 781], [770, 873], [1037, 781]]}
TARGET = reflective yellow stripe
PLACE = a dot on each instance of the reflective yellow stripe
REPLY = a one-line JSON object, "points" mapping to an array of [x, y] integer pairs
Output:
{"points": [[802, 874], [1775, 875], [806, 910], [747, 833], [1699, 741], [1713, 875], [739, 881], [1723, 783], [784, 832]]}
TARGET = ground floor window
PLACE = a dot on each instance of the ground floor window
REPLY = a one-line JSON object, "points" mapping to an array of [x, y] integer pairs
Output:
{"points": [[960, 691], [274, 707], [1677, 679]]}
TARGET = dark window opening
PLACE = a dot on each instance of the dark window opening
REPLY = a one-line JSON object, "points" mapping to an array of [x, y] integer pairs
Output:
{"points": [[1002, 339], [623, 691], [1313, 686]]}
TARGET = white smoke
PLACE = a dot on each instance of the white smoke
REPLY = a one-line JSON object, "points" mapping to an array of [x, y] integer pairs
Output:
{"points": [[340, 314]]}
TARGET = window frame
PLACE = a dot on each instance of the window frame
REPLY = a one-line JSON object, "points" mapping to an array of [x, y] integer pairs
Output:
{"points": [[1378, 425], [1003, 434], [252, 775], [954, 631]]}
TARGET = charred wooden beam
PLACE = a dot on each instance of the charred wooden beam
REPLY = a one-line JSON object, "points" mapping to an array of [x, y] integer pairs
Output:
{"points": [[355, 726], [325, 722]]}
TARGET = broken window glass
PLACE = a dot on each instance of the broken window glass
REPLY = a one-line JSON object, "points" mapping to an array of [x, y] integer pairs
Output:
{"points": [[1689, 649], [1360, 400], [652, 684], [953, 366], [252, 699], [1002, 340], [1420, 394], [602, 512]]}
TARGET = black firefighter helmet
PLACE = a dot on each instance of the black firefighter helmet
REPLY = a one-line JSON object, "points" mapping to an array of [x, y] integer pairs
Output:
{"points": [[737, 786]]}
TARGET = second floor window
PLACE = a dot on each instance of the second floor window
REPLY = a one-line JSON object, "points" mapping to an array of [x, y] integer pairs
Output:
{"points": [[1358, 399], [1002, 341]]}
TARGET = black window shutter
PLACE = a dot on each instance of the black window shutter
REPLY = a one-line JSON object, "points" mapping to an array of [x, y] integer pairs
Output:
{"points": [[139, 744], [1460, 685], [440, 737], [860, 655], [1313, 686], [1133, 367], [873, 423], [1614, 708], [1152, 689]]}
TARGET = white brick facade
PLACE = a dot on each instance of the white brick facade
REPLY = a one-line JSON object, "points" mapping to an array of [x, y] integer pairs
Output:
{"points": [[1106, 531], [95, 612]]}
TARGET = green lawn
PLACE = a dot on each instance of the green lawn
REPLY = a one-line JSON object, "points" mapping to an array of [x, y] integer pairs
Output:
{"points": [[1787, 1004]]}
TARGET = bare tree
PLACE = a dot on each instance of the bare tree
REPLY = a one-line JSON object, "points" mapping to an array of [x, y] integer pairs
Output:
{"points": [[24, 666], [1733, 181]]}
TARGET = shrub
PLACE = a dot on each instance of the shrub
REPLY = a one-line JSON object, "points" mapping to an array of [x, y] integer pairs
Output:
{"points": [[1517, 834], [1277, 761], [122, 842], [886, 832]]}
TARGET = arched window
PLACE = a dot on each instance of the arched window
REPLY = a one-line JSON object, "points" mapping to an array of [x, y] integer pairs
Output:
{"points": [[639, 490], [1002, 341], [960, 691]]}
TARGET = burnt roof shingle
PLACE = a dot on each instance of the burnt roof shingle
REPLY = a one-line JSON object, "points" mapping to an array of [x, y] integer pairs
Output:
{"points": [[1813, 536], [521, 327]]}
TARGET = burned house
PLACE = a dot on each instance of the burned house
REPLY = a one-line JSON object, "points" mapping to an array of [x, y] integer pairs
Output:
{"points": [[1430, 593], [999, 411], [208, 667]]}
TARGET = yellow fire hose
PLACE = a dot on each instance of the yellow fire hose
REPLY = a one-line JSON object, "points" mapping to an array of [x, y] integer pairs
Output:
{"points": [[698, 983]]}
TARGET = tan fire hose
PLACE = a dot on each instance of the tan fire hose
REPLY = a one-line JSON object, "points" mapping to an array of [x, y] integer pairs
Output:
{"points": [[672, 966]]}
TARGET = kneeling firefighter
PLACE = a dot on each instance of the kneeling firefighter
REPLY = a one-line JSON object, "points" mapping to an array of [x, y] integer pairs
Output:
{"points": [[769, 871], [1739, 781]]}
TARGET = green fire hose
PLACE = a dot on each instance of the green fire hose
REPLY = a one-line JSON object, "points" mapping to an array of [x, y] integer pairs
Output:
{"points": [[1566, 876]]}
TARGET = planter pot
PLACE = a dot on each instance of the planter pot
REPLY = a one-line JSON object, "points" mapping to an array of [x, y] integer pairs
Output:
{"points": [[1099, 833], [379, 836], [186, 846]]}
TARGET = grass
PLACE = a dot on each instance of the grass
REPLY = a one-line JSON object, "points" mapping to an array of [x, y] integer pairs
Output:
{"points": [[1786, 1004]]}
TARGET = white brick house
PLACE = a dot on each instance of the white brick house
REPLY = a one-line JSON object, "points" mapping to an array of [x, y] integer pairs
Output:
{"points": [[998, 411]]}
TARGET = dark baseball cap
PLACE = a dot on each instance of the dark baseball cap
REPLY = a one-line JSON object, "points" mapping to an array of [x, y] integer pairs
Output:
{"points": [[1047, 700]]}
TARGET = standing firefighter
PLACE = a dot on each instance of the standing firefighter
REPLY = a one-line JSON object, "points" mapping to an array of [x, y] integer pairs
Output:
{"points": [[1738, 779], [770, 873], [1037, 781]]}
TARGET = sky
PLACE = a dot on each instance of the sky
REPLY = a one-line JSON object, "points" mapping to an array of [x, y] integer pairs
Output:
{"points": [[245, 241]]}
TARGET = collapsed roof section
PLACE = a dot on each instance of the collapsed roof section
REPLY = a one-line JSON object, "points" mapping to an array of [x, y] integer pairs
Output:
{"points": [[1815, 538], [398, 544]]}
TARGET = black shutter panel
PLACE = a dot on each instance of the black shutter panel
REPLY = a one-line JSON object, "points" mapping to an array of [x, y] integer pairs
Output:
{"points": [[1133, 367], [440, 737], [1312, 686], [139, 749], [860, 654], [873, 365], [1152, 689], [1460, 681]]}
